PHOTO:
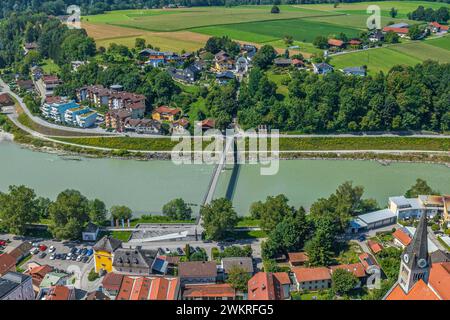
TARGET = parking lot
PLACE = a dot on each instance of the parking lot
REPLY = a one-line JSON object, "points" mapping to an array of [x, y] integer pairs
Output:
{"points": [[55, 257]]}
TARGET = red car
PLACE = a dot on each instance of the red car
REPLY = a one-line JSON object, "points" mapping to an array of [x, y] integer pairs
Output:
{"points": [[42, 247], [3, 243]]}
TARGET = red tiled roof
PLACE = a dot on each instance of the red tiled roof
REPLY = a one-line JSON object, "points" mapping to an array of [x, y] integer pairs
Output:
{"points": [[439, 279], [208, 123], [374, 246], [59, 293], [5, 99], [297, 62], [356, 268], [396, 30], [401, 236], [166, 109], [311, 274], [112, 281], [367, 260], [420, 291], [438, 25], [335, 42], [53, 99], [282, 277], [354, 42], [148, 288], [298, 257], [266, 286], [7, 262], [205, 269], [209, 291]]}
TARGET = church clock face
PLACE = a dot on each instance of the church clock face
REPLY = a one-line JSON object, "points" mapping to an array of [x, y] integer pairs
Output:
{"points": [[422, 263], [406, 258]]}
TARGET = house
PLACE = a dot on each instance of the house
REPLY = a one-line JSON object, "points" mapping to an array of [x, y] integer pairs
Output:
{"points": [[160, 265], [376, 36], [322, 68], [55, 109], [6, 100], [269, 286], [282, 62], [62, 293], [25, 85], [104, 253], [77, 64], [312, 278], [241, 65], [369, 263], [245, 263], [401, 238], [38, 274], [189, 74], [21, 251], [375, 246], [142, 126], [436, 27], [158, 58], [111, 283], [355, 71], [31, 46], [90, 232], [115, 119], [133, 261], [297, 258], [165, 113], [298, 63], [354, 42], [149, 288], [127, 100], [223, 62], [80, 116], [222, 291], [224, 76], [7, 263], [420, 278], [180, 125], [248, 51], [372, 220], [54, 278], [96, 95], [97, 295], [401, 29], [47, 84], [16, 286], [197, 272], [357, 269], [336, 43], [207, 124]]}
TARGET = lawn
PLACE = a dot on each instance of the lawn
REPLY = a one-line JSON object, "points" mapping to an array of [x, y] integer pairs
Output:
{"points": [[300, 29], [50, 67], [423, 50], [279, 78], [443, 42], [186, 18], [365, 143], [376, 60]]}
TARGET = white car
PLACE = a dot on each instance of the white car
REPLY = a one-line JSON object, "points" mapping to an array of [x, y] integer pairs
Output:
{"points": [[52, 257], [51, 249], [79, 258], [69, 256], [34, 251]]}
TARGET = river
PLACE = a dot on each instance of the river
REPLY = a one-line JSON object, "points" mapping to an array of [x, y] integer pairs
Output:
{"points": [[145, 186]]}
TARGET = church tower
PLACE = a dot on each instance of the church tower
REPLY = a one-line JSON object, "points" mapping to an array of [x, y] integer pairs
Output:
{"points": [[415, 261]]}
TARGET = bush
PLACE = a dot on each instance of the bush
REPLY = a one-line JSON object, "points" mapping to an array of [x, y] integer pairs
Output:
{"points": [[92, 276]]}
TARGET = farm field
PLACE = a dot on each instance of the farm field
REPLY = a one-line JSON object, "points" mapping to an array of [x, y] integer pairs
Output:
{"points": [[383, 59], [187, 18], [443, 42], [300, 29], [403, 7]]}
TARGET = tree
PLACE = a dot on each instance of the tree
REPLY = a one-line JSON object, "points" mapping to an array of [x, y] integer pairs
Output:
{"points": [[218, 217], [177, 209], [68, 214], [238, 278], [121, 212], [321, 42], [272, 211], [414, 32], [391, 37], [264, 57], [421, 187], [97, 211], [393, 13], [139, 43], [18, 208], [42, 207], [342, 281], [288, 40], [275, 9]]}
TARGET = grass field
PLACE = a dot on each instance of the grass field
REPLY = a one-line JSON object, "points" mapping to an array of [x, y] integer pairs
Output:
{"points": [[300, 29], [383, 59], [182, 19]]}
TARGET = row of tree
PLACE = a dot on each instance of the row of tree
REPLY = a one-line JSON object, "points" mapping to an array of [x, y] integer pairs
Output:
{"points": [[440, 15]]}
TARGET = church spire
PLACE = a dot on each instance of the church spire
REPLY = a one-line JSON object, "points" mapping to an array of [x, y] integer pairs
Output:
{"points": [[416, 262]]}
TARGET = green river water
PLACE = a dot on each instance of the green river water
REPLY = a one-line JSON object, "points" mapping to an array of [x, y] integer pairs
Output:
{"points": [[145, 186]]}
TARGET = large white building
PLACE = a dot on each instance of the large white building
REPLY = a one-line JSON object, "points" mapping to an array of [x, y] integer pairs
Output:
{"points": [[402, 208]]}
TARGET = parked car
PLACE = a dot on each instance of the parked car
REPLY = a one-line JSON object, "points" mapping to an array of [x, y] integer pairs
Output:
{"points": [[180, 252], [85, 259], [42, 255], [168, 251], [34, 251], [89, 252], [160, 251], [79, 258], [69, 256], [362, 237], [3, 243], [64, 256], [74, 257], [42, 247], [51, 249], [83, 251], [53, 256], [73, 250]]}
